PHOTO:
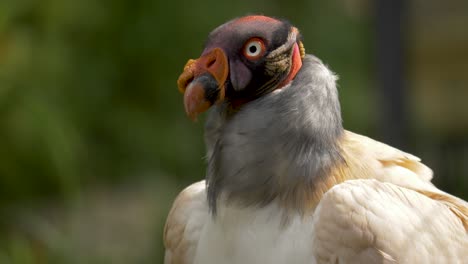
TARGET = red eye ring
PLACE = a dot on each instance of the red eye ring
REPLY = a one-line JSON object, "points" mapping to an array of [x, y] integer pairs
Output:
{"points": [[254, 49]]}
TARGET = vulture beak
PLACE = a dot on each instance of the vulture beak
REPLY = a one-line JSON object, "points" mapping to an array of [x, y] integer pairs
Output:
{"points": [[203, 82]]}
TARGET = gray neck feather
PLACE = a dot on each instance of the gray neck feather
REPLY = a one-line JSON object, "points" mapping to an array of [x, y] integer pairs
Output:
{"points": [[276, 145]]}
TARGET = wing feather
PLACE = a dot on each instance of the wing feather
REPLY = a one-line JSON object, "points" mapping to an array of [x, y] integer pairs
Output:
{"points": [[184, 224], [375, 160], [368, 221]]}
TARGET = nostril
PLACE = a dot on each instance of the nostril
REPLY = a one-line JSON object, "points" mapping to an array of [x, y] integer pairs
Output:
{"points": [[211, 62]]}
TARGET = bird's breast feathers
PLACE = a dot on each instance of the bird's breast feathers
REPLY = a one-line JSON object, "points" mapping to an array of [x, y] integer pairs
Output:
{"points": [[255, 235]]}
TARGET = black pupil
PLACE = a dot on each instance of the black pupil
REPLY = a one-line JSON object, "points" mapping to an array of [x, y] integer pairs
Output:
{"points": [[253, 49]]}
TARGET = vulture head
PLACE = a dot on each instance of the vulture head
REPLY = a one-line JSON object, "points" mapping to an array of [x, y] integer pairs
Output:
{"points": [[243, 59], [274, 112]]}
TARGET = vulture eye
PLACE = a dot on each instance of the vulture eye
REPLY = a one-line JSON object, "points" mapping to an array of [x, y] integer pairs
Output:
{"points": [[254, 49]]}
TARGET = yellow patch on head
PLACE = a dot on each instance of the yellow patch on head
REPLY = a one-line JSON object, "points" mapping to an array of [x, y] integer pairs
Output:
{"points": [[302, 49]]}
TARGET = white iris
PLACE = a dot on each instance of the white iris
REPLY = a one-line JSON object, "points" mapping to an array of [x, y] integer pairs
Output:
{"points": [[253, 49]]}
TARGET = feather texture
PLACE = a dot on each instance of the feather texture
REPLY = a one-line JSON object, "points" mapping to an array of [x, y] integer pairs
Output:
{"points": [[383, 210], [381, 222]]}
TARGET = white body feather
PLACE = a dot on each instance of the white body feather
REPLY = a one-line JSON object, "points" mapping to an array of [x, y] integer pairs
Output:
{"points": [[251, 236], [381, 220]]}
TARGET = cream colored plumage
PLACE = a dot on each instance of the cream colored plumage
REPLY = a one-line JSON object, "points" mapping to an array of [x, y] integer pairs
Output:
{"points": [[392, 215], [285, 182]]}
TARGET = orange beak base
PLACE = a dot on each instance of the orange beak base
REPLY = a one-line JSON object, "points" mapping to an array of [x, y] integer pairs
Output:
{"points": [[202, 82]]}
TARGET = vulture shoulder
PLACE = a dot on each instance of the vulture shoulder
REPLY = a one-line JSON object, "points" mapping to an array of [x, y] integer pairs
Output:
{"points": [[369, 221], [387, 211], [368, 158], [184, 224]]}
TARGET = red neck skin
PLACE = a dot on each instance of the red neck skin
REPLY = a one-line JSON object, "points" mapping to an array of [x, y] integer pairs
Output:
{"points": [[295, 67]]}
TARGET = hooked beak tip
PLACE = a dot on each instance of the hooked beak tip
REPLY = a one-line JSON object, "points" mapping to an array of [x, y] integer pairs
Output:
{"points": [[195, 100]]}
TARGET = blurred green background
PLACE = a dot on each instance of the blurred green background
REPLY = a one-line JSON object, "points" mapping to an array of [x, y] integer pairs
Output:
{"points": [[94, 142]]}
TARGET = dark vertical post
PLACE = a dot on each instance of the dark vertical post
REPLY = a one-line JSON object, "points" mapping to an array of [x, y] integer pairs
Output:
{"points": [[390, 25]]}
